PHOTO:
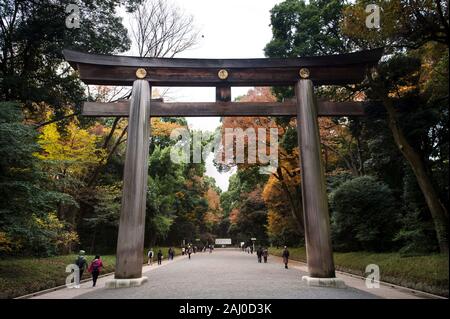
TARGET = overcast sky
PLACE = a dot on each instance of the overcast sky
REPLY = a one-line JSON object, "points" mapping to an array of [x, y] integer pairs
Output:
{"points": [[229, 29]]}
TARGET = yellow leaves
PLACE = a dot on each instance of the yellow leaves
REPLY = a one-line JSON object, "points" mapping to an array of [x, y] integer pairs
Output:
{"points": [[74, 153], [179, 195], [67, 238], [275, 223], [394, 16], [270, 189], [63, 238], [402, 90], [51, 222], [6, 244]]}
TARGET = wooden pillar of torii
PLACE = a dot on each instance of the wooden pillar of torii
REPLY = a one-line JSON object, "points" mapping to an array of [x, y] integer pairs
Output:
{"points": [[302, 73]]}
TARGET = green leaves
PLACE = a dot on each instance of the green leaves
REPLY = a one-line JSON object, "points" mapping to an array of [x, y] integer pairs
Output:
{"points": [[26, 193], [32, 67], [301, 29], [364, 215]]}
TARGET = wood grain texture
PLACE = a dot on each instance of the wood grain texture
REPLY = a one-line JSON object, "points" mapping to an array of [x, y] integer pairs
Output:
{"points": [[365, 56], [314, 195], [201, 109], [223, 94], [130, 243], [120, 70]]}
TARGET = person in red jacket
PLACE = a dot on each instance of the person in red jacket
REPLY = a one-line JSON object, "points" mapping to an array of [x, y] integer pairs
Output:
{"points": [[95, 268]]}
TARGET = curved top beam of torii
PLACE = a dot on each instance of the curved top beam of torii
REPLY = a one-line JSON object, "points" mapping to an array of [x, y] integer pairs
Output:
{"points": [[338, 69]]}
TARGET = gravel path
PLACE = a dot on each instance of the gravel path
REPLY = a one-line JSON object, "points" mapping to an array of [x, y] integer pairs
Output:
{"points": [[225, 274]]}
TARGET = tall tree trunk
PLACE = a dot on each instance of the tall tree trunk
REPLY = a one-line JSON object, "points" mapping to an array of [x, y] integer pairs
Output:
{"points": [[295, 210], [103, 163], [93, 241], [437, 209]]}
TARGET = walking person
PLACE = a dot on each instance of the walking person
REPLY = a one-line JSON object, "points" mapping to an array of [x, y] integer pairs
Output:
{"points": [[251, 249], [169, 253], [259, 254], [150, 255], [82, 264], [160, 256], [95, 268], [189, 251], [265, 254], [285, 257]]}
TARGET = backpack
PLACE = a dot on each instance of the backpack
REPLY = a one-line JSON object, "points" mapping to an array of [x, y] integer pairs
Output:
{"points": [[150, 254], [80, 262], [95, 265]]}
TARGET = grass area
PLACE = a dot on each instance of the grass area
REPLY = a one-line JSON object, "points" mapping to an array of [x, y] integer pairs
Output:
{"points": [[21, 276], [426, 273]]}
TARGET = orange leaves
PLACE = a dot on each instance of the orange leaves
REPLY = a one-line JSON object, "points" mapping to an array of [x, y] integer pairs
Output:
{"points": [[213, 199], [160, 128], [214, 215], [234, 216], [258, 94], [98, 129], [212, 218], [255, 195], [249, 127]]}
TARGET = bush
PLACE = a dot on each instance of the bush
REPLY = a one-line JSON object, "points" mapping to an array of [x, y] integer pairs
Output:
{"points": [[364, 215]]}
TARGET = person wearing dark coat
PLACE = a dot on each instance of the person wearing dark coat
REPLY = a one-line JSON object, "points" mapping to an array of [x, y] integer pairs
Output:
{"points": [[259, 254], [82, 264], [285, 257], [159, 255], [170, 253], [265, 254]]}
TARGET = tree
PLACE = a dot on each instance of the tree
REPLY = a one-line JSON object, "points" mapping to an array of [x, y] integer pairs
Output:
{"points": [[32, 37], [158, 29], [364, 215], [403, 76], [251, 219], [28, 224], [162, 30], [409, 30], [214, 214], [105, 218], [67, 158], [287, 172]]}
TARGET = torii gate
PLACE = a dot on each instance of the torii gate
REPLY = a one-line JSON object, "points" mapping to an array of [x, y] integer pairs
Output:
{"points": [[302, 73]]}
